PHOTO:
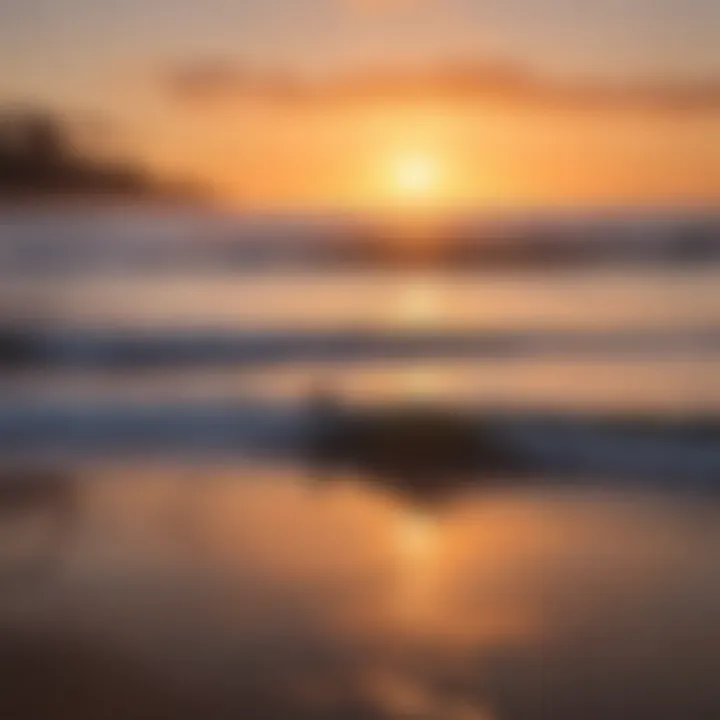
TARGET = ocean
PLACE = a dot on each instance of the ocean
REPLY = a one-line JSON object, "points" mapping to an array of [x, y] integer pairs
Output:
{"points": [[168, 537]]}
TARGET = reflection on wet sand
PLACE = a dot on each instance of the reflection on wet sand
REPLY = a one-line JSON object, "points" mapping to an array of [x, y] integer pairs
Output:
{"points": [[230, 593]]}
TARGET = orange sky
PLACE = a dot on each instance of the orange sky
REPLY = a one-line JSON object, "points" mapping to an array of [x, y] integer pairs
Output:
{"points": [[297, 103], [474, 155]]}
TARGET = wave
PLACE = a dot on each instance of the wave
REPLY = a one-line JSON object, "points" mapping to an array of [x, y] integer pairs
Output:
{"points": [[559, 444], [161, 348]]}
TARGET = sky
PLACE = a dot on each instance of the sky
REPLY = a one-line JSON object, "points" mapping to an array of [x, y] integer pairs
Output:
{"points": [[380, 102]]}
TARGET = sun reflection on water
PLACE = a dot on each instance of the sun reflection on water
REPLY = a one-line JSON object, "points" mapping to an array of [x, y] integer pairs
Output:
{"points": [[417, 537], [417, 546], [418, 304]]}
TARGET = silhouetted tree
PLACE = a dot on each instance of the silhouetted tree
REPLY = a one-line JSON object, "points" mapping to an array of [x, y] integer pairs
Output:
{"points": [[37, 157]]}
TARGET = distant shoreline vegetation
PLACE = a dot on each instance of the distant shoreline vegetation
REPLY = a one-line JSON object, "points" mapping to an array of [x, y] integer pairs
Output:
{"points": [[39, 161]]}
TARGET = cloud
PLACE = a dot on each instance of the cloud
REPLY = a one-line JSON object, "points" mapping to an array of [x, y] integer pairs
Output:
{"points": [[206, 82]]}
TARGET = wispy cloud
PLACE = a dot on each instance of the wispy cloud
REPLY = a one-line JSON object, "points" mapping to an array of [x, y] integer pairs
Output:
{"points": [[203, 82]]}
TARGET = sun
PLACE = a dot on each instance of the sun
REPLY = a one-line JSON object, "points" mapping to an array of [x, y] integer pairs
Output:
{"points": [[416, 177]]}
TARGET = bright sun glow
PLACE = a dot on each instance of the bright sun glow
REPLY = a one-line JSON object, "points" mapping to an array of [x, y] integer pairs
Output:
{"points": [[416, 177]]}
